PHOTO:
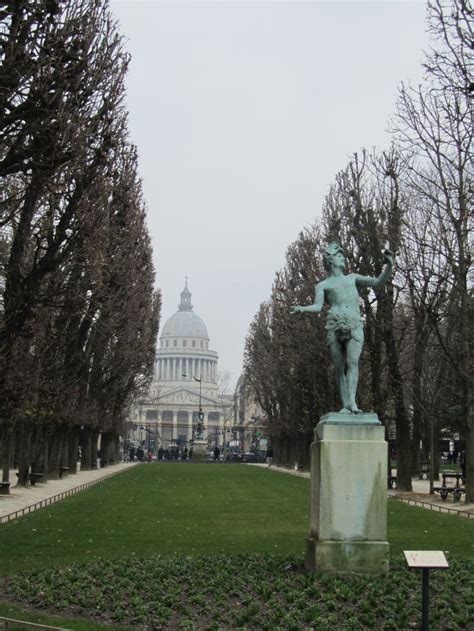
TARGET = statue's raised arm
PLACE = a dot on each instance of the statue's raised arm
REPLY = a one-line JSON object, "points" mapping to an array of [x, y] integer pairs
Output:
{"points": [[369, 281]]}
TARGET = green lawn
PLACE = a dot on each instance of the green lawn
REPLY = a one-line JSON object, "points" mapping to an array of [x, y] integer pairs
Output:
{"points": [[193, 513], [198, 510]]}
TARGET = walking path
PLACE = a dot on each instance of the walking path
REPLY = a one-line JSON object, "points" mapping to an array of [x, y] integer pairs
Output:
{"points": [[420, 495], [21, 497]]}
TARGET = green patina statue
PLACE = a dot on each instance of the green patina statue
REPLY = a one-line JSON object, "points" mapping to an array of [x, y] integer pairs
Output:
{"points": [[344, 325]]}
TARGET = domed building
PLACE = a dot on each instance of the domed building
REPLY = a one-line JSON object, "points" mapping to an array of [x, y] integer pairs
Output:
{"points": [[185, 383]]}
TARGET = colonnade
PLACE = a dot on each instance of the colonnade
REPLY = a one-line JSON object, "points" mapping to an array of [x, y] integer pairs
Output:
{"points": [[173, 369], [170, 427]]}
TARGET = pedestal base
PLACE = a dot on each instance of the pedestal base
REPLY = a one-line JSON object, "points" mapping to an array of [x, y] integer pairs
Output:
{"points": [[199, 450], [346, 556], [348, 528]]}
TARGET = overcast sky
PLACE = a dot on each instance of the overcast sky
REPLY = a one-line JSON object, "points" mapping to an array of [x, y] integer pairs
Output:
{"points": [[243, 113]]}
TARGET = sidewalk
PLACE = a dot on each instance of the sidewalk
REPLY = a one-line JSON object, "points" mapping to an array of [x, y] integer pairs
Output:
{"points": [[420, 495], [21, 497]]}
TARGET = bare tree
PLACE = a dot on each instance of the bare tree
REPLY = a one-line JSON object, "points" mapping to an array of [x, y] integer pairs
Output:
{"points": [[433, 127]]}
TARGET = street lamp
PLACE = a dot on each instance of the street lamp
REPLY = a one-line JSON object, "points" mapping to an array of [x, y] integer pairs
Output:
{"points": [[199, 427]]}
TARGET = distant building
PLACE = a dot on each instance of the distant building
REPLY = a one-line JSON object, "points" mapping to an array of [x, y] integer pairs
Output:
{"points": [[185, 380]]}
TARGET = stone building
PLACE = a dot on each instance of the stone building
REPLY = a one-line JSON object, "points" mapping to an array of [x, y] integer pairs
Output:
{"points": [[185, 382]]}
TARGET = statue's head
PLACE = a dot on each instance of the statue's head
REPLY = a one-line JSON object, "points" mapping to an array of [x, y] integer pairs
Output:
{"points": [[332, 250]]}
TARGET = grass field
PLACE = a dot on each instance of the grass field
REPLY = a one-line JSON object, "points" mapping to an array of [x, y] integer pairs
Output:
{"points": [[196, 518]]}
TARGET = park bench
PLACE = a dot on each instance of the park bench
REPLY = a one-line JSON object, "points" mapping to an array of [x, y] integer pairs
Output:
{"points": [[392, 482], [424, 471], [63, 471], [457, 490], [4, 488], [35, 477]]}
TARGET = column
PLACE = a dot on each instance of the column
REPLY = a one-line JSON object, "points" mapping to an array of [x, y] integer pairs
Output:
{"points": [[174, 435], [190, 425], [160, 429], [206, 425]]}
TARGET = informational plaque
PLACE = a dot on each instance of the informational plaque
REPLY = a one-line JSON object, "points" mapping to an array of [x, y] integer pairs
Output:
{"points": [[430, 559]]}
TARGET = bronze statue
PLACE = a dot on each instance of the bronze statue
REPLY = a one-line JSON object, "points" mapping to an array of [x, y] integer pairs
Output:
{"points": [[344, 325]]}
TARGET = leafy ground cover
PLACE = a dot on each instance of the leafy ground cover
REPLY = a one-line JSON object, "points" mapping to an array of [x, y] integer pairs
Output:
{"points": [[264, 592], [230, 541]]}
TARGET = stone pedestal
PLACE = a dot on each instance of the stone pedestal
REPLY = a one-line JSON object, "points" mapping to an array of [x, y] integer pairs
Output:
{"points": [[199, 450], [348, 523]]}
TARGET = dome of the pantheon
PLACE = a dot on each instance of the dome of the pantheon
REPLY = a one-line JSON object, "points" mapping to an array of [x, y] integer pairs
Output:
{"points": [[185, 323]]}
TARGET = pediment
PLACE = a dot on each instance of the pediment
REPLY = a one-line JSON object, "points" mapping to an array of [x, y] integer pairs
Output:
{"points": [[184, 396]]}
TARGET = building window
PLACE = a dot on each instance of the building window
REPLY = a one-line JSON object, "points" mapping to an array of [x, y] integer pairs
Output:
{"points": [[175, 343], [194, 343], [167, 343], [184, 342], [201, 344], [152, 415]]}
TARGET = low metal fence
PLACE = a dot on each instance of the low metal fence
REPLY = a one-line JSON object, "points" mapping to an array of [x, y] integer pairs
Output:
{"points": [[435, 507], [9, 624], [50, 500]]}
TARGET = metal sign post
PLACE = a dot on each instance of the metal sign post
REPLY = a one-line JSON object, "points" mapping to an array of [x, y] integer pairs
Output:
{"points": [[425, 560]]}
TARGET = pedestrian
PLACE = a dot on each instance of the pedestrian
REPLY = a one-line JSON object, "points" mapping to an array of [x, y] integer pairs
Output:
{"points": [[269, 457], [217, 453], [462, 462]]}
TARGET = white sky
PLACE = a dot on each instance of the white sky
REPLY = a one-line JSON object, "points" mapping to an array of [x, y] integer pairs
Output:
{"points": [[243, 113]]}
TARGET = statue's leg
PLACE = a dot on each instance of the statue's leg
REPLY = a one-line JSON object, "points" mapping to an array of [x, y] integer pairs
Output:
{"points": [[339, 365], [354, 349]]}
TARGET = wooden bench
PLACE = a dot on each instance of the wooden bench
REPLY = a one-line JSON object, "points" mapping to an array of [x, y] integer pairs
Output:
{"points": [[456, 490], [4, 488], [35, 477], [444, 491], [424, 471], [63, 471], [392, 482]]}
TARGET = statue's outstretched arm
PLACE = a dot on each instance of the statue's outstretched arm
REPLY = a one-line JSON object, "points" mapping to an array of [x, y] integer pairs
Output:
{"points": [[370, 281], [317, 304]]}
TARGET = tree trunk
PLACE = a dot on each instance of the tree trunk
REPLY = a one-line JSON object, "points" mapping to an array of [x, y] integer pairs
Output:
{"points": [[105, 449], [7, 452], [469, 479], [55, 451], [86, 449], [73, 448], [401, 417], [94, 443], [24, 461], [64, 458]]}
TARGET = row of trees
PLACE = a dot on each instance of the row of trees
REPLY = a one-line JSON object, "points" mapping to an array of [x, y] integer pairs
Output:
{"points": [[78, 313], [416, 199]]}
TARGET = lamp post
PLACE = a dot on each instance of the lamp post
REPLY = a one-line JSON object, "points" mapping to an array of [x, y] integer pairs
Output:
{"points": [[200, 413], [199, 427]]}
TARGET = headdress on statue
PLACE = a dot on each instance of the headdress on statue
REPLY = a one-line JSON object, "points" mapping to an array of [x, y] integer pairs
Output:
{"points": [[331, 250]]}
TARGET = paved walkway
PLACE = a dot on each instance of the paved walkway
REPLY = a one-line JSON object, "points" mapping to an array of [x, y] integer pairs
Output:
{"points": [[21, 497], [420, 495]]}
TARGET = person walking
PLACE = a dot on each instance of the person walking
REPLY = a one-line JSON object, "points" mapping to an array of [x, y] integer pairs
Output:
{"points": [[269, 457]]}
